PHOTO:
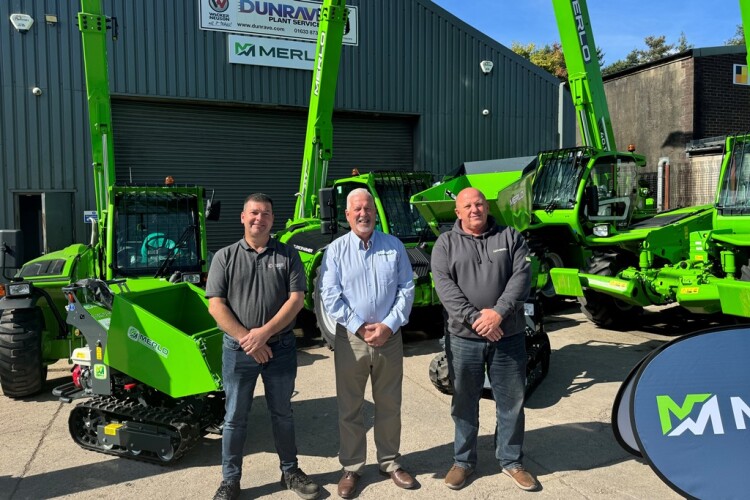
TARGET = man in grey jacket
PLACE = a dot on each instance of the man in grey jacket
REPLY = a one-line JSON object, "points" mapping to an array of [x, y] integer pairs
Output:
{"points": [[482, 274]]}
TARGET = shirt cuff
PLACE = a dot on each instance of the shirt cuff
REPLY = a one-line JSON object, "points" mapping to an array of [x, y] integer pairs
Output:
{"points": [[354, 324], [392, 324]]}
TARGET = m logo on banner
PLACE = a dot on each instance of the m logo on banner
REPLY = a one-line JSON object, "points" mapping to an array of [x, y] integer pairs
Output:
{"points": [[709, 412]]}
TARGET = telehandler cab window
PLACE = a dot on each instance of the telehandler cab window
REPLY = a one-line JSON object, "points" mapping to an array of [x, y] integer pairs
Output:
{"points": [[558, 178], [615, 186], [735, 187], [150, 229]]}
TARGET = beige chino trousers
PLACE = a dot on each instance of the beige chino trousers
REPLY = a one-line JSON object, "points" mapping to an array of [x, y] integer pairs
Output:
{"points": [[355, 362]]}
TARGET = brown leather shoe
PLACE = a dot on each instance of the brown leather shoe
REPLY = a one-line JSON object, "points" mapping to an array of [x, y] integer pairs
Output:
{"points": [[402, 478], [348, 484], [456, 477], [522, 478]]}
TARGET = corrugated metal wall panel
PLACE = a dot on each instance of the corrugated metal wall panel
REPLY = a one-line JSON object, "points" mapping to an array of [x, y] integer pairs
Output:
{"points": [[238, 150], [43, 139]]}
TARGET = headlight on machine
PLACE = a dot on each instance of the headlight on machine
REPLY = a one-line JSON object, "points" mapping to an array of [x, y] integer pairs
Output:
{"points": [[601, 230], [17, 289], [193, 278]]}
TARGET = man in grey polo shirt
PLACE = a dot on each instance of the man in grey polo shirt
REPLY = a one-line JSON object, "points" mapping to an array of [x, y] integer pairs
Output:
{"points": [[255, 289]]}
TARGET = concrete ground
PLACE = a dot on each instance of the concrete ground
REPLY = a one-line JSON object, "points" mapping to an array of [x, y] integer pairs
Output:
{"points": [[569, 441]]}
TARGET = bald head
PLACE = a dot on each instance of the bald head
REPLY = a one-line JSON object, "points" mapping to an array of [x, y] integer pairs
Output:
{"points": [[472, 210]]}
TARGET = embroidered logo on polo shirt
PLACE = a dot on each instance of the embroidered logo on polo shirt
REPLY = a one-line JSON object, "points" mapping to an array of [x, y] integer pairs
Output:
{"points": [[279, 265]]}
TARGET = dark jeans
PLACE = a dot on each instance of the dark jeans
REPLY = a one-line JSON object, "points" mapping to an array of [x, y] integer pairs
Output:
{"points": [[240, 373], [505, 364]]}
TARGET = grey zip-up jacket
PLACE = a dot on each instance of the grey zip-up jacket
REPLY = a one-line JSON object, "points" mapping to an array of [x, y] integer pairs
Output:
{"points": [[490, 271]]}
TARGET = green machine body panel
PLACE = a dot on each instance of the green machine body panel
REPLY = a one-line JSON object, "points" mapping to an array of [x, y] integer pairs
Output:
{"points": [[165, 337]]}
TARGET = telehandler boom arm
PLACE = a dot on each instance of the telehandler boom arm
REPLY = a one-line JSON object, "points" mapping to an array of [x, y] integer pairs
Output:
{"points": [[584, 74], [319, 134]]}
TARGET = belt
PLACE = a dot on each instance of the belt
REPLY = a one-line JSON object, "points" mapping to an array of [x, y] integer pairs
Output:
{"points": [[276, 337]]}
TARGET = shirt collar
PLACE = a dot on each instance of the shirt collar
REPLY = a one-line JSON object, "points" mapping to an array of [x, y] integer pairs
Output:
{"points": [[360, 244], [271, 245]]}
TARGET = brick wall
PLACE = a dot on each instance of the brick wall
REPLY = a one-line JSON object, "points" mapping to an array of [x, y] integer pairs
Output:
{"points": [[720, 106]]}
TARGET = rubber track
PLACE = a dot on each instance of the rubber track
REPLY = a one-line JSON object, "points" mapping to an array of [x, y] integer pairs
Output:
{"points": [[180, 422]]}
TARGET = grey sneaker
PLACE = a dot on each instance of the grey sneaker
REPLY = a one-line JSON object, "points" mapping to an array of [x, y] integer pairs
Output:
{"points": [[298, 482], [456, 477], [228, 491]]}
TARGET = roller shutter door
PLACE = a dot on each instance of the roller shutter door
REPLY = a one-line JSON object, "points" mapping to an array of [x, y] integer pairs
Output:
{"points": [[238, 150]]}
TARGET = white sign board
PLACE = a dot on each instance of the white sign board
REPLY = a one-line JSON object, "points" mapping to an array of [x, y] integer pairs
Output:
{"points": [[22, 22], [273, 52], [288, 19], [89, 216]]}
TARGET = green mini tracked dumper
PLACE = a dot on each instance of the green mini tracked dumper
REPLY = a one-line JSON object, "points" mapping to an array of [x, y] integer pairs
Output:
{"points": [[151, 368]]}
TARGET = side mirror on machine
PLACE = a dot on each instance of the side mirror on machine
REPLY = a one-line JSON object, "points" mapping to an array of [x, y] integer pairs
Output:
{"points": [[11, 251], [592, 200], [327, 200], [213, 208]]}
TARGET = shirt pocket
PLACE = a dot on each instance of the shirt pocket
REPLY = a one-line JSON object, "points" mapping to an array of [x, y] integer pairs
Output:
{"points": [[386, 272]]}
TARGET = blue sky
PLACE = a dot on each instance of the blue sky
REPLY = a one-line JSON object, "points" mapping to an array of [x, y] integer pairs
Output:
{"points": [[619, 26]]}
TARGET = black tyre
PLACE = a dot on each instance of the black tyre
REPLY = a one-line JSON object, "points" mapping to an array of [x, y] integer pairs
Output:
{"points": [[538, 352], [22, 372], [439, 374], [601, 309], [326, 324]]}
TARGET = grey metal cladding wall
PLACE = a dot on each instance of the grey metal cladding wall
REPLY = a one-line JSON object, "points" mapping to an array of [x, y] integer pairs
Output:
{"points": [[43, 139], [162, 52], [413, 58]]}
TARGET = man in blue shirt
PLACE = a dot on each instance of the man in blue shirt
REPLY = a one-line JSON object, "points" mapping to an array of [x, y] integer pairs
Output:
{"points": [[367, 288]]}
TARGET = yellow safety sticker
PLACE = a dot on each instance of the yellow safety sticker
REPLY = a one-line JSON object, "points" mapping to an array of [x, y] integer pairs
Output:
{"points": [[81, 355], [618, 284], [98, 353], [111, 429], [689, 290], [698, 257]]}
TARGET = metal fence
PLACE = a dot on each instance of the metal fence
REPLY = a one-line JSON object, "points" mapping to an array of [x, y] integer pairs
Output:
{"points": [[693, 182]]}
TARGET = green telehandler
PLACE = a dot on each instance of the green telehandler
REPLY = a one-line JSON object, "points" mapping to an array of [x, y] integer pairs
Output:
{"points": [[713, 272], [588, 207]]}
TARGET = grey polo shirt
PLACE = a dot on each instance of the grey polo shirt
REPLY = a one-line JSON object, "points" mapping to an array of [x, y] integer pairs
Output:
{"points": [[256, 285]]}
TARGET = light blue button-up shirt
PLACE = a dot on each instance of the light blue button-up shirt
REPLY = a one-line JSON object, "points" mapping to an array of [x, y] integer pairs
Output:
{"points": [[367, 285]]}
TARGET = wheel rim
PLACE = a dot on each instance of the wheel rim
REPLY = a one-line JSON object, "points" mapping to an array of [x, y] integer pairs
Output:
{"points": [[166, 455]]}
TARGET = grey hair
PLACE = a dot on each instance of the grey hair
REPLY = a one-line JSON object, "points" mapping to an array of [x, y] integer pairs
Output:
{"points": [[357, 192]]}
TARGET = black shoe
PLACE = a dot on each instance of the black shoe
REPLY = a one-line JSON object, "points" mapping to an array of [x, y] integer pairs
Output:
{"points": [[228, 491], [298, 482]]}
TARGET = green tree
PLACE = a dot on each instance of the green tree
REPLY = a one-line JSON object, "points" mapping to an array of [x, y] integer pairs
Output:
{"points": [[738, 38], [549, 57], [656, 48]]}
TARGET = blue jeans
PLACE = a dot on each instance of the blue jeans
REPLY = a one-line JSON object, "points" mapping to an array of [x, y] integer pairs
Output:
{"points": [[505, 364], [240, 373]]}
